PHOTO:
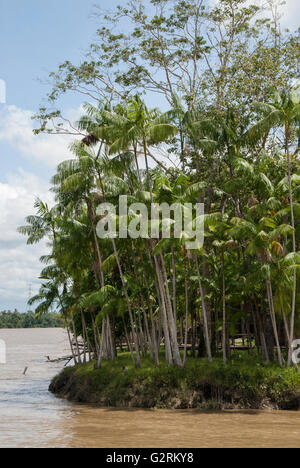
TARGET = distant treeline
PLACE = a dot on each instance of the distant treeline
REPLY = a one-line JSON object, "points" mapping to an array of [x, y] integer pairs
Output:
{"points": [[15, 319]]}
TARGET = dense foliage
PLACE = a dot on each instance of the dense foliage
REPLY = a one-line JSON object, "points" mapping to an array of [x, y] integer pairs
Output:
{"points": [[16, 319], [228, 137], [247, 383]]}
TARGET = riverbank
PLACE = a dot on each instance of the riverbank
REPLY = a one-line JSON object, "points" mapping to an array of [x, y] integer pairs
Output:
{"points": [[242, 384]]}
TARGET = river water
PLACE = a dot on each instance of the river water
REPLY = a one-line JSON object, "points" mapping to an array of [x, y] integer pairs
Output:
{"points": [[31, 417]]}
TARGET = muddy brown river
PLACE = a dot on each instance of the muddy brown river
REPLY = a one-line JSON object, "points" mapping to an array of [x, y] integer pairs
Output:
{"points": [[31, 417]]}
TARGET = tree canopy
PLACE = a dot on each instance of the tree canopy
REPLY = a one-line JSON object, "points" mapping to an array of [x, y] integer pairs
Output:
{"points": [[15, 319], [226, 135]]}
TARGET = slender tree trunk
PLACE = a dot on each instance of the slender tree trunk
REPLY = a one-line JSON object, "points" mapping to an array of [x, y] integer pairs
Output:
{"points": [[264, 347], [99, 262], [223, 309], [186, 314], [153, 331], [85, 338], [96, 336], [138, 168], [71, 344], [112, 347], [151, 344], [129, 343], [172, 323], [273, 318], [256, 334], [262, 336], [147, 169], [286, 328], [138, 358], [76, 340], [174, 285], [164, 319], [164, 301], [147, 330], [102, 339], [181, 330], [208, 305], [205, 321], [292, 326]]}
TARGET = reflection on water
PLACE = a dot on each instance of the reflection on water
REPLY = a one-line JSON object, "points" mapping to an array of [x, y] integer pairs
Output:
{"points": [[31, 417]]}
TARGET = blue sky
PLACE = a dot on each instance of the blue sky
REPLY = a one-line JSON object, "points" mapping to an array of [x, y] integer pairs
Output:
{"points": [[35, 37]]}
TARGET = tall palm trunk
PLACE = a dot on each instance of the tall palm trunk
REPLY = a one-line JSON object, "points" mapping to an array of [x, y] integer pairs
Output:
{"points": [[96, 335], [70, 342], [147, 169], [224, 330], [292, 326], [162, 307], [205, 321], [102, 341], [265, 353], [151, 344], [161, 294], [111, 343], [137, 167], [87, 344], [172, 323], [136, 345], [273, 319], [186, 313], [100, 273], [76, 340], [95, 241], [148, 335], [155, 341], [172, 352], [153, 331], [264, 346], [174, 284], [128, 342], [286, 327]]}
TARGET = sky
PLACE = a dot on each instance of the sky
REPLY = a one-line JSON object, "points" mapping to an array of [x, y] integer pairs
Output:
{"points": [[35, 37]]}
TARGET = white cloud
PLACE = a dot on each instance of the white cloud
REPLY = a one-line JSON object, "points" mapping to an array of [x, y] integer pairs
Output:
{"points": [[291, 14], [16, 201], [19, 263], [16, 129], [2, 91]]}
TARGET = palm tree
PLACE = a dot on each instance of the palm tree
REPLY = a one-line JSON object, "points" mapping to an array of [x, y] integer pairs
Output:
{"points": [[53, 294], [283, 111], [263, 242], [41, 225], [152, 289], [136, 128], [82, 180]]}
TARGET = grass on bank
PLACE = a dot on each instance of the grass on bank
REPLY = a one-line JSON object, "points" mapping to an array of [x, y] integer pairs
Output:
{"points": [[245, 382]]}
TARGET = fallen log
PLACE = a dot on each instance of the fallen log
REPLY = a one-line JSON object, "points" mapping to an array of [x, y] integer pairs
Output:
{"points": [[61, 359], [64, 358]]}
